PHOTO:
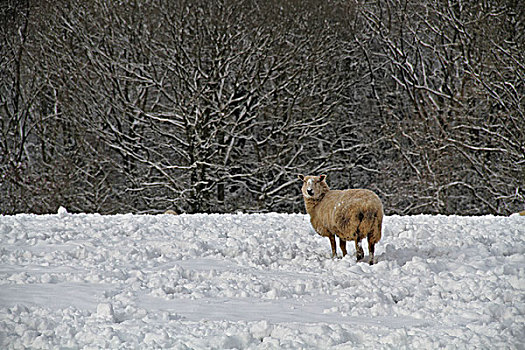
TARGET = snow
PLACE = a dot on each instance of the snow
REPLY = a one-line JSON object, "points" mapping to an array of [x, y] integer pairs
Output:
{"points": [[258, 282]]}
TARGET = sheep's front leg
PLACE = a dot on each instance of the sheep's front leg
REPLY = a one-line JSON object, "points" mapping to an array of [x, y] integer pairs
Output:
{"points": [[332, 243], [342, 245], [359, 249]]}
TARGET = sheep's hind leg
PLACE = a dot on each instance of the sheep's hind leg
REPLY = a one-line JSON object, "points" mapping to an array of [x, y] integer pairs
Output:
{"points": [[359, 249], [371, 248], [342, 245], [332, 243]]}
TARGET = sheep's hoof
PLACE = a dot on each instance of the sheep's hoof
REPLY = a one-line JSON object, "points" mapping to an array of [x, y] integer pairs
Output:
{"points": [[360, 257]]}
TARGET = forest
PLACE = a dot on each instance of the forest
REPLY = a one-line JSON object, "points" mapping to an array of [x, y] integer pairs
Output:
{"points": [[117, 106]]}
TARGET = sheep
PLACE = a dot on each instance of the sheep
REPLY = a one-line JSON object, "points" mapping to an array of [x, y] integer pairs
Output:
{"points": [[350, 214]]}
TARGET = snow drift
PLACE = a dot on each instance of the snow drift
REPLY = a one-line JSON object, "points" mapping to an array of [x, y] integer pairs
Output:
{"points": [[258, 282]]}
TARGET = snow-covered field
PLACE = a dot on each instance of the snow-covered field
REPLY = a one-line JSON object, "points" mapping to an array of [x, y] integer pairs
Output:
{"points": [[258, 282]]}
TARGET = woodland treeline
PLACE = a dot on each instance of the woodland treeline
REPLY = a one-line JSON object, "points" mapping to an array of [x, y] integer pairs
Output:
{"points": [[115, 106]]}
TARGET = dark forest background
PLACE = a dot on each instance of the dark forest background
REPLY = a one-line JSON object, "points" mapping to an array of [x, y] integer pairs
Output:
{"points": [[115, 106]]}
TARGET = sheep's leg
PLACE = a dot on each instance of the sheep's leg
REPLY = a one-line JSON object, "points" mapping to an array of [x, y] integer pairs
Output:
{"points": [[359, 249], [332, 243], [371, 248], [373, 237], [342, 245]]}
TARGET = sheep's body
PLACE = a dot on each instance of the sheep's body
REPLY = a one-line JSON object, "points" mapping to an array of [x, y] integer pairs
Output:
{"points": [[350, 214]]}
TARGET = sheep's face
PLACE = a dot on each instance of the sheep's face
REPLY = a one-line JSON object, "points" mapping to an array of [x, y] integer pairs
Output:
{"points": [[314, 187]]}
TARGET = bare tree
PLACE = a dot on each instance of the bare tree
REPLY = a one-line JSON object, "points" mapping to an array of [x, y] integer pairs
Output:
{"points": [[457, 131], [142, 105]]}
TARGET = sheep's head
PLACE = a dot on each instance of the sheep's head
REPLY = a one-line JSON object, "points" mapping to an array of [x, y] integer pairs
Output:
{"points": [[314, 187]]}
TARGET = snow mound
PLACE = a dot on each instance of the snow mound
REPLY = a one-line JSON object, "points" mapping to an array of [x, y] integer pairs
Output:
{"points": [[62, 211], [258, 282]]}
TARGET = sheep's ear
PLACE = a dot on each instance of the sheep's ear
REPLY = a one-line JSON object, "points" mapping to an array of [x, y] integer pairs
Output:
{"points": [[301, 177], [322, 177]]}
